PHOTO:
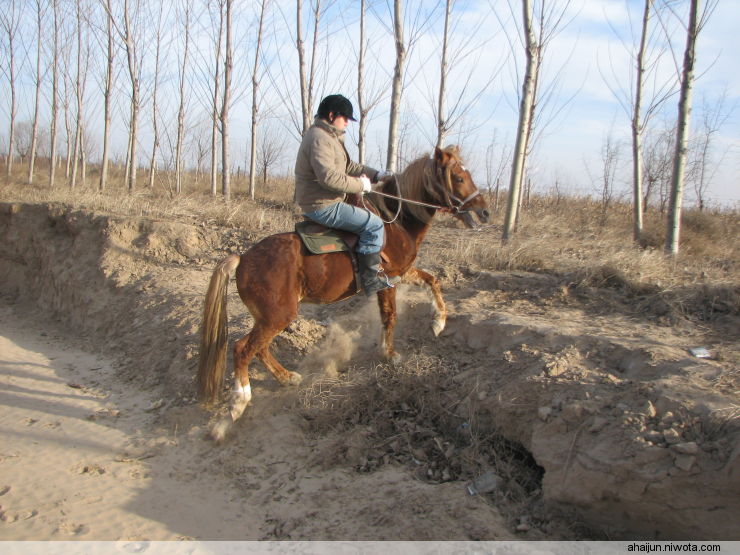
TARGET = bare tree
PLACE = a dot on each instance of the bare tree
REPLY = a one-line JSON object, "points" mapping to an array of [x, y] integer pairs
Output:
{"points": [[54, 94], [271, 151], [228, 65], [80, 80], [107, 93], [187, 11], [397, 86], [155, 91], [639, 102], [525, 115], [368, 96], [255, 101], [306, 82], [697, 20], [10, 18], [701, 167], [133, 54], [216, 109], [37, 99]]}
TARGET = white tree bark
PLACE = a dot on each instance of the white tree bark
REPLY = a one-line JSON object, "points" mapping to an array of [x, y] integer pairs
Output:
{"points": [[673, 230], [228, 65], [524, 126], [441, 118], [255, 103], [37, 101], [10, 20], [181, 109], [54, 95], [107, 93], [397, 87]]}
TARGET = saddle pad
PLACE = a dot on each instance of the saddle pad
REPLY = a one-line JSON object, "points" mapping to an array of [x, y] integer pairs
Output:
{"points": [[319, 239]]}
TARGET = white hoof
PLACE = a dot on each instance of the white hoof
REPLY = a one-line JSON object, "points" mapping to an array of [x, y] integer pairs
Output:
{"points": [[240, 398], [395, 359], [221, 429], [438, 325], [295, 378]]}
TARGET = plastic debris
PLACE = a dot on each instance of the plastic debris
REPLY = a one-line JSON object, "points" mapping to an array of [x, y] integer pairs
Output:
{"points": [[700, 352], [487, 482]]}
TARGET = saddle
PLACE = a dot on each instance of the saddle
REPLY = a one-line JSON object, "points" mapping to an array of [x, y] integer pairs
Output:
{"points": [[320, 239]]}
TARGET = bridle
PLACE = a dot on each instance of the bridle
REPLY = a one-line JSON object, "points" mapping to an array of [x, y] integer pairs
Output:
{"points": [[453, 204]]}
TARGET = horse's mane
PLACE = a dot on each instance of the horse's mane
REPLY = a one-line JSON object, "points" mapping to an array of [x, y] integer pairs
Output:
{"points": [[412, 184]]}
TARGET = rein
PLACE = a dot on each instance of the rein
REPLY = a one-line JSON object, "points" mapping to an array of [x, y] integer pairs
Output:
{"points": [[454, 203]]}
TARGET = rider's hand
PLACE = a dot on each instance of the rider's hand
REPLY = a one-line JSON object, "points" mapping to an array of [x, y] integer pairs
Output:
{"points": [[366, 186], [381, 175]]}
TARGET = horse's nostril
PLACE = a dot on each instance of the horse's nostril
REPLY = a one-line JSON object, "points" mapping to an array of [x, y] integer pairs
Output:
{"points": [[486, 213]]}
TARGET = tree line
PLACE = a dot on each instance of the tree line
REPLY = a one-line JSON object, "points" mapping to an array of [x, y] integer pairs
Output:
{"points": [[179, 68]]}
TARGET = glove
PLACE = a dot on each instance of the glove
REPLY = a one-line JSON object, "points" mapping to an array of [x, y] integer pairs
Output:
{"points": [[366, 186], [382, 174]]}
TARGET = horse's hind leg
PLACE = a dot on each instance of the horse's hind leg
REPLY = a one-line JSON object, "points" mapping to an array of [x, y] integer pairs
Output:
{"points": [[282, 375], [439, 310], [244, 351]]}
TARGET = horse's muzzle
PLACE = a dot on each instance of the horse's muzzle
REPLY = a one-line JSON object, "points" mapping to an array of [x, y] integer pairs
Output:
{"points": [[469, 221]]}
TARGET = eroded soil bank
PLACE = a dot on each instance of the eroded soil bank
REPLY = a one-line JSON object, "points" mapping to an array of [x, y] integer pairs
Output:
{"points": [[594, 414]]}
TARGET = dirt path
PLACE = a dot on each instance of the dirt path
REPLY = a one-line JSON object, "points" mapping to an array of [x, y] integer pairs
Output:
{"points": [[79, 459], [85, 456]]}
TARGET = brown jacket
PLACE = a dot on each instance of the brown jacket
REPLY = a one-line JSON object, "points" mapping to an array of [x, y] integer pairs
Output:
{"points": [[324, 174]]}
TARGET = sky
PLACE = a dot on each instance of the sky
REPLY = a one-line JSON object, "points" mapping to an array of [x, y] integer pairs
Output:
{"points": [[586, 69]]}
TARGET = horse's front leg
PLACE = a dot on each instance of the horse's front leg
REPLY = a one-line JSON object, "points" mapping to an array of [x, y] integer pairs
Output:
{"points": [[388, 317], [439, 310]]}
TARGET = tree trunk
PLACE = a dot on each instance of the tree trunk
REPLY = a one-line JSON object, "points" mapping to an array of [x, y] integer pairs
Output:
{"points": [[682, 133], [10, 23], [54, 96], [133, 69], [397, 88], [305, 108], [181, 109], [441, 123], [525, 114], [360, 88], [155, 123], [228, 64], [216, 96], [255, 87], [637, 208], [37, 102], [107, 91]]}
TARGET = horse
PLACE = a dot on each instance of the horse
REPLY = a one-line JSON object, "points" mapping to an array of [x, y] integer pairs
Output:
{"points": [[278, 273]]}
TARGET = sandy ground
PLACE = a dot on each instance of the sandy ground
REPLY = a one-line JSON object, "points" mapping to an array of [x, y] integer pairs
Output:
{"points": [[79, 459], [84, 457], [585, 401]]}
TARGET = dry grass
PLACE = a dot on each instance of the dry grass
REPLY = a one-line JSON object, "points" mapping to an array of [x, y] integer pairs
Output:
{"points": [[568, 237]]}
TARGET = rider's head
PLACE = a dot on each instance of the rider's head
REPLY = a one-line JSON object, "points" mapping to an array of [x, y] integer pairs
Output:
{"points": [[334, 106]]}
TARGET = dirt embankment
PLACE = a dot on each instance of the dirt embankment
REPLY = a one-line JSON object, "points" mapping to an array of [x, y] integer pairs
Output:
{"points": [[614, 422]]}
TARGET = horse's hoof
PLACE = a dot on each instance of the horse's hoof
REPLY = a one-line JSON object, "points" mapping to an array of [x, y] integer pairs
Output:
{"points": [[395, 359], [437, 326], [295, 378], [221, 429]]}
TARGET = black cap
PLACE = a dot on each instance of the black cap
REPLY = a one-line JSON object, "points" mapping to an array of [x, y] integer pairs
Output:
{"points": [[337, 104]]}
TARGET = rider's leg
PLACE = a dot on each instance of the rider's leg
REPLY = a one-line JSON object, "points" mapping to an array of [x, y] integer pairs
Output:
{"points": [[369, 227]]}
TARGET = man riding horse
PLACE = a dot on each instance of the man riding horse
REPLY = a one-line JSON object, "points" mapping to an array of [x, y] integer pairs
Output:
{"points": [[324, 175]]}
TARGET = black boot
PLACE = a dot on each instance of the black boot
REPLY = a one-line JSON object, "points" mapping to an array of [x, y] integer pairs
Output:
{"points": [[373, 280]]}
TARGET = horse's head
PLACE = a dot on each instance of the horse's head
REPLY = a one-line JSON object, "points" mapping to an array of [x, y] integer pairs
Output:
{"points": [[456, 188]]}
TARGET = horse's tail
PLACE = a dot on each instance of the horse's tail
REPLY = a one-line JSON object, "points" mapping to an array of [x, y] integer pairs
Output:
{"points": [[214, 332]]}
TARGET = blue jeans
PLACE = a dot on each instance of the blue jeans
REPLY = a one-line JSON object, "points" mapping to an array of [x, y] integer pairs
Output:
{"points": [[367, 225]]}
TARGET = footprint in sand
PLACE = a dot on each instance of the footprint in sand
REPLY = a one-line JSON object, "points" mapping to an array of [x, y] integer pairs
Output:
{"points": [[72, 529], [4, 490]]}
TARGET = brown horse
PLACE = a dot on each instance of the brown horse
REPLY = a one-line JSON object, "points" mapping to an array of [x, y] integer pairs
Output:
{"points": [[274, 276]]}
